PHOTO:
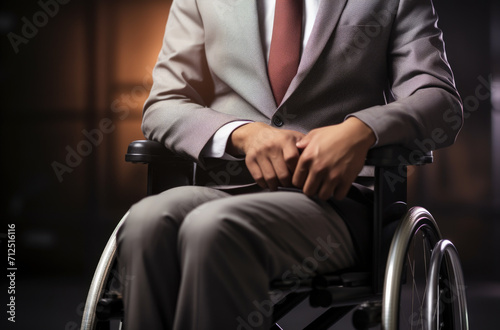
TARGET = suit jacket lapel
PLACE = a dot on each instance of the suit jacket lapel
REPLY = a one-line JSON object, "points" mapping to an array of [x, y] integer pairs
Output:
{"points": [[245, 47], [326, 20]]}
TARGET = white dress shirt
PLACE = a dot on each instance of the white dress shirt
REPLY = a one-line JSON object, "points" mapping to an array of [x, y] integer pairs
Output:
{"points": [[216, 146]]}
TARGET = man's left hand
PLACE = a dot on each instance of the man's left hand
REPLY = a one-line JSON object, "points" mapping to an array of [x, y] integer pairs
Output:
{"points": [[332, 157]]}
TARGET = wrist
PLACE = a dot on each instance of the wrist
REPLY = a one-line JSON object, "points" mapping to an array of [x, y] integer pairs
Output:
{"points": [[364, 134], [235, 143]]}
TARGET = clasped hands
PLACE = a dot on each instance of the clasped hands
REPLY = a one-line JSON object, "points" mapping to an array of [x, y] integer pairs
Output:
{"points": [[323, 163]]}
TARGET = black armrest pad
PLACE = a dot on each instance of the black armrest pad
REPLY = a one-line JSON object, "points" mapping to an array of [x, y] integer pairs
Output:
{"points": [[146, 151], [394, 155]]}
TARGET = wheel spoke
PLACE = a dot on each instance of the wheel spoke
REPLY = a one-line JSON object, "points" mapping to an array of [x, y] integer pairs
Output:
{"points": [[418, 285]]}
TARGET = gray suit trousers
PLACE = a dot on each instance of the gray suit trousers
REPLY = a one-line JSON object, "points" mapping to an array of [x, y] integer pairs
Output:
{"points": [[200, 258]]}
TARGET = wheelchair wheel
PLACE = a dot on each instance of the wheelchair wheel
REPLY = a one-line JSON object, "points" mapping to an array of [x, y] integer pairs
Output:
{"points": [[104, 283], [424, 286]]}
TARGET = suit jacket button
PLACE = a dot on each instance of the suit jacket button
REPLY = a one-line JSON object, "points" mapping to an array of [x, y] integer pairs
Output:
{"points": [[277, 121]]}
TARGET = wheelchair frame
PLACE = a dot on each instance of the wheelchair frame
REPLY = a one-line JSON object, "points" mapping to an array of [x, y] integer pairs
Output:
{"points": [[377, 295]]}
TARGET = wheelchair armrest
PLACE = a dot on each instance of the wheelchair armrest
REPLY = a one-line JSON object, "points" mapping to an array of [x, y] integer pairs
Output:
{"points": [[147, 152], [165, 168], [395, 155]]}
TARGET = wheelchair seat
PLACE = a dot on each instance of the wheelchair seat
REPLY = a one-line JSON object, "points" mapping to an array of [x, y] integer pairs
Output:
{"points": [[412, 278]]}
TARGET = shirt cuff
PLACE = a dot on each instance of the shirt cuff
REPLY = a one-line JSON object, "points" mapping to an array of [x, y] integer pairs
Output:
{"points": [[216, 146]]}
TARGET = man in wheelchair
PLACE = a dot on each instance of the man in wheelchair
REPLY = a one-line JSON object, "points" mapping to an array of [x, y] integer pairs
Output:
{"points": [[292, 95]]}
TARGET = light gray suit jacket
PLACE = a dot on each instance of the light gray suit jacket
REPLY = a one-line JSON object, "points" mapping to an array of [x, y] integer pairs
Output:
{"points": [[382, 61]]}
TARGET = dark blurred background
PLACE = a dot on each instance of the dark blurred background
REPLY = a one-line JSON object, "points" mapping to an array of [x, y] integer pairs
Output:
{"points": [[74, 75]]}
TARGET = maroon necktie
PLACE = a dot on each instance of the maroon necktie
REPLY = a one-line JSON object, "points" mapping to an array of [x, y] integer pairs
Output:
{"points": [[284, 54]]}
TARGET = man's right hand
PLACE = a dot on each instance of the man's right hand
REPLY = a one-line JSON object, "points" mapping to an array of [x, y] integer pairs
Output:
{"points": [[271, 154]]}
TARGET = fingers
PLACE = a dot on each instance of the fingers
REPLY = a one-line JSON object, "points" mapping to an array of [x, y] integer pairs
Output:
{"points": [[325, 187], [291, 157], [262, 171], [326, 190], [304, 141], [272, 172], [331, 158], [273, 169], [312, 185], [282, 173], [269, 174], [320, 178], [315, 180], [301, 173], [270, 154], [321, 182]]}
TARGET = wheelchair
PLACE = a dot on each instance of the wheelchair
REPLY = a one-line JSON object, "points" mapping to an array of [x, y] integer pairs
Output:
{"points": [[414, 279]]}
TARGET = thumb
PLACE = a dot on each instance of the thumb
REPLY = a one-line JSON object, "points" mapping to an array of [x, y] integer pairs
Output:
{"points": [[302, 143]]}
